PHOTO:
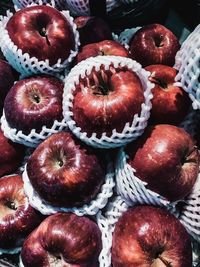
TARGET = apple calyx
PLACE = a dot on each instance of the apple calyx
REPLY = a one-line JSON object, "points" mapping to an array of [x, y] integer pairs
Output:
{"points": [[159, 41]]}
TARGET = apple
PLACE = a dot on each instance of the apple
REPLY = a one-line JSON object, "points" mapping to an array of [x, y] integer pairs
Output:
{"points": [[107, 100], [103, 48], [17, 217], [92, 29], [167, 159], [63, 239], [34, 102], [6, 81], [147, 236], [65, 172], [11, 155], [42, 32], [170, 103], [154, 44]]}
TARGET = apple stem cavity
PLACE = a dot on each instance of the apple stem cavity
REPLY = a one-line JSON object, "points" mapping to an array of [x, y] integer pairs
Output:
{"points": [[167, 263], [158, 81], [11, 205]]}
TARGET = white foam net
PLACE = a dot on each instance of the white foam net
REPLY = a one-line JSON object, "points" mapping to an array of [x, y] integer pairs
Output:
{"points": [[33, 138], [82, 8], [131, 130], [55, 3], [27, 65], [88, 209], [188, 65]]}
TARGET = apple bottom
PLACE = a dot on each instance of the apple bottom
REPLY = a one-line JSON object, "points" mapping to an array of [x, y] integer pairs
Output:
{"points": [[88, 209], [131, 188]]}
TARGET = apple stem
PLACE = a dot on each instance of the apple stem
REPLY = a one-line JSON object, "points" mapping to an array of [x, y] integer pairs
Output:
{"points": [[43, 33], [167, 263], [194, 148]]}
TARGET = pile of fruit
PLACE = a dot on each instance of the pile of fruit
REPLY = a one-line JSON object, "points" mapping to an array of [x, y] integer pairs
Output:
{"points": [[99, 138]]}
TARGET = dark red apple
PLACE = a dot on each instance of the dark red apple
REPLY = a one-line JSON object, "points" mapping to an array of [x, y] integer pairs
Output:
{"points": [[65, 172], [92, 29], [42, 32], [165, 157], [6, 81], [147, 236], [17, 217], [170, 103], [107, 100], [11, 155], [63, 239], [34, 102], [103, 48], [154, 44]]}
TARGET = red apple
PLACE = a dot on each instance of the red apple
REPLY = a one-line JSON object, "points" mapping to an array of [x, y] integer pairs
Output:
{"points": [[42, 32], [65, 172], [63, 239], [148, 236], [103, 48], [34, 102], [170, 103], [11, 155], [6, 81], [154, 44], [17, 217], [165, 157], [107, 100], [92, 29]]}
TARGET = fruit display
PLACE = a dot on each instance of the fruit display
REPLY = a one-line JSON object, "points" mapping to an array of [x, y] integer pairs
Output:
{"points": [[99, 134]]}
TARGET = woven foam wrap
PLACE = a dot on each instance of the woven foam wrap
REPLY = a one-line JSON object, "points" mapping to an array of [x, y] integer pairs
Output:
{"points": [[129, 1], [126, 36], [106, 236], [107, 224], [190, 213], [81, 7], [131, 188], [33, 138], [60, 4], [27, 65], [188, 65], [88, 209], [131, 130]]}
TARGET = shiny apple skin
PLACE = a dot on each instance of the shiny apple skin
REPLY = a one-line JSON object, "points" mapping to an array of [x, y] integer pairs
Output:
{"points": [[103, 48], [17, 217], [92, 29], [170, 160], [25, 27], [11, 155], [65, 172], [34, 102], [96, 112], [143, 233], [170, 103], [154, 44], [6, 81], [76, 240]]}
